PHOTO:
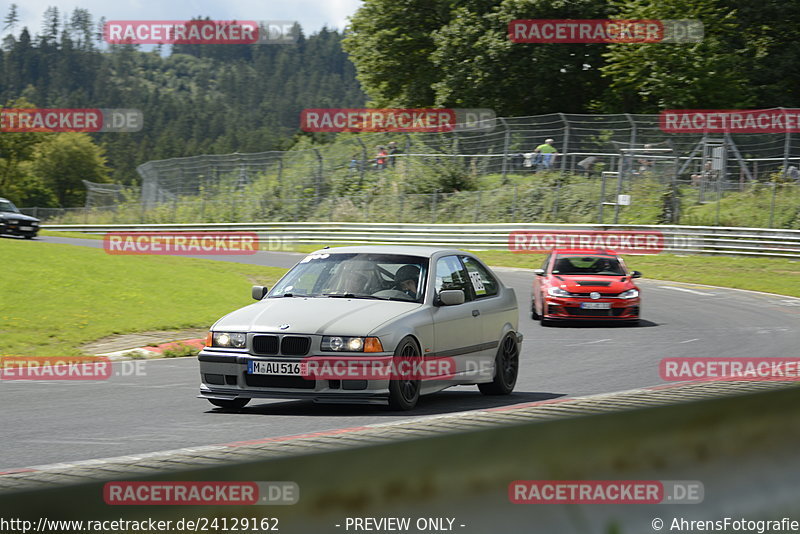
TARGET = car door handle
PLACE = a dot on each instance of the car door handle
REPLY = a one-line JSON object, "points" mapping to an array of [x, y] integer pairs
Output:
{"points": [[476, 313]]}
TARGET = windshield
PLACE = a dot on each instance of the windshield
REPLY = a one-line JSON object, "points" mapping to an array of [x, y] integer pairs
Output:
{"points": [[588, 265], [8, 207], [373, 276]]}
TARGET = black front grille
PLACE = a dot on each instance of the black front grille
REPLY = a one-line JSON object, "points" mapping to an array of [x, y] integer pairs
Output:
{"points": [[265, 345], [593, 283], [613, 312], [295, 346], [277, 381]]}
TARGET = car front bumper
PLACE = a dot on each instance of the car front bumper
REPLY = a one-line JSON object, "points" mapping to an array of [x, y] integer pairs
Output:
{"points": [[226, 377], [19, 229], [570, 309]]}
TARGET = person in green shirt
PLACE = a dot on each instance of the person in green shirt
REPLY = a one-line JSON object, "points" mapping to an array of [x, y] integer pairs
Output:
{"points": [[546, 154]]}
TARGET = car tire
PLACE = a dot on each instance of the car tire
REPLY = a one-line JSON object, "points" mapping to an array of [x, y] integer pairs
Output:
{"points": [[534, 315], [403, 393], [229, 404], [506, 368]]}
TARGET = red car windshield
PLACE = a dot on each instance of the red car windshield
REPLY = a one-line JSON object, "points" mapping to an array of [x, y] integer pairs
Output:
{"points": [[588, 265]]}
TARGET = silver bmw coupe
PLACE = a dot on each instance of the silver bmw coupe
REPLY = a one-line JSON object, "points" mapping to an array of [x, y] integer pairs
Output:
{"points": [[367, 324]]}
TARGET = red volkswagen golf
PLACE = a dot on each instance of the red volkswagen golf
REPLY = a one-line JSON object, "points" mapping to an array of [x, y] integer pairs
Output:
{"points": [[585, 285]]}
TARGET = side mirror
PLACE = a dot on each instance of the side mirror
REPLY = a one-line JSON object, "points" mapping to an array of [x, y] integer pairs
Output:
{"points": [[538, 272], [258, 292], [451, 297], [636, 274]]}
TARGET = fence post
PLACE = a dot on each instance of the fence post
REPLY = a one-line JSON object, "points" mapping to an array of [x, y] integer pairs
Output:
{"points": [[318, 177], [556, 200], [514, 205], [616, 199], [362, 166], [433, 205], [719, 193], [772, 203], [506, 146], [477, 208], [633, 129], [787, 146], [566, 143], [602, 197], [407, 166], [402, 207]]}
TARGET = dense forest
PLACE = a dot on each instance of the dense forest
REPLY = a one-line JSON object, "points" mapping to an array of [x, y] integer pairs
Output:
{"points": [[196, 99]]}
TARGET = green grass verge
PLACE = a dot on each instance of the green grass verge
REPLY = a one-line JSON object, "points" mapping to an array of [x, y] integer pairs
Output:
{"points": [[771, 275], [57, 297], [70, 234]]}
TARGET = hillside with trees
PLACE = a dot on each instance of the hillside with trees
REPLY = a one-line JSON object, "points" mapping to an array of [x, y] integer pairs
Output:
{"points": [[196, 99]]}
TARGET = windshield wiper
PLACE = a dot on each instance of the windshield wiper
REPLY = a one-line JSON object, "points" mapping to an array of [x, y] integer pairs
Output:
{"points": [[352, 296]]}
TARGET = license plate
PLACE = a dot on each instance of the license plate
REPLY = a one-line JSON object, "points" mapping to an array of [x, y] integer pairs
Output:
{"points": [[26, 228], [275, 368], [596, 305]]}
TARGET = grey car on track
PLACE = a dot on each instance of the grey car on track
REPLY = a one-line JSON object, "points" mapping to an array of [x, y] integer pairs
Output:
{"points": [[14, 222], [367, 324]]}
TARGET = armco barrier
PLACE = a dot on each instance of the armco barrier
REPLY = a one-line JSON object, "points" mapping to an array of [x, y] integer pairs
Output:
{"points": [[677, 239], [743, 450]]}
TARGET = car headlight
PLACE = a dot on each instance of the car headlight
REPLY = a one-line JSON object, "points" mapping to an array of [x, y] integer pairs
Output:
{"points": [[558, 292], [351, 344], [236, 340], [629, 294]]}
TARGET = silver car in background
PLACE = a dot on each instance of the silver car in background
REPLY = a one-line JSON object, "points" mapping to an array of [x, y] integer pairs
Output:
{"points": [[440, 312]]}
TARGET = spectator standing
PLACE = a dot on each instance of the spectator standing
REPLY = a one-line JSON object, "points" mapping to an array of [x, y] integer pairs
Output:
{"points": [[548, 153], [587, 165], [393, 150], [380, 158]]}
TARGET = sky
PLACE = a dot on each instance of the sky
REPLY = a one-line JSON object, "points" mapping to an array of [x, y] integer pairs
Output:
{"points": [[311, 14]]}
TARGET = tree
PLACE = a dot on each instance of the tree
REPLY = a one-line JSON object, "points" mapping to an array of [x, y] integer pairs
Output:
{"points": [[458, 54], [11, 19], [15, 149], [50, 25], [63, 160], [479, 66], [391, 43], [648, 78]]}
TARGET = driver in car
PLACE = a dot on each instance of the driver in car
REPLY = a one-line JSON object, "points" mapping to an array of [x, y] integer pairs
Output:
{"points": [[406, 279]]}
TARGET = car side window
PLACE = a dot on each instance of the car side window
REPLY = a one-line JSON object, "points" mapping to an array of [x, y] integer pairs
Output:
{"points": [[483, 283], [450, 274]]}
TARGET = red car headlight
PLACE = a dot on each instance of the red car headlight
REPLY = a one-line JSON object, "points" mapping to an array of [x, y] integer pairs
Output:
{"points": [[558, 292], [629, 294]]}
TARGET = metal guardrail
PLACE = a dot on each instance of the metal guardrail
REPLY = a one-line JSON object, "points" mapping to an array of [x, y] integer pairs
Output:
{"points": [[742, 449], [677, 239]]}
